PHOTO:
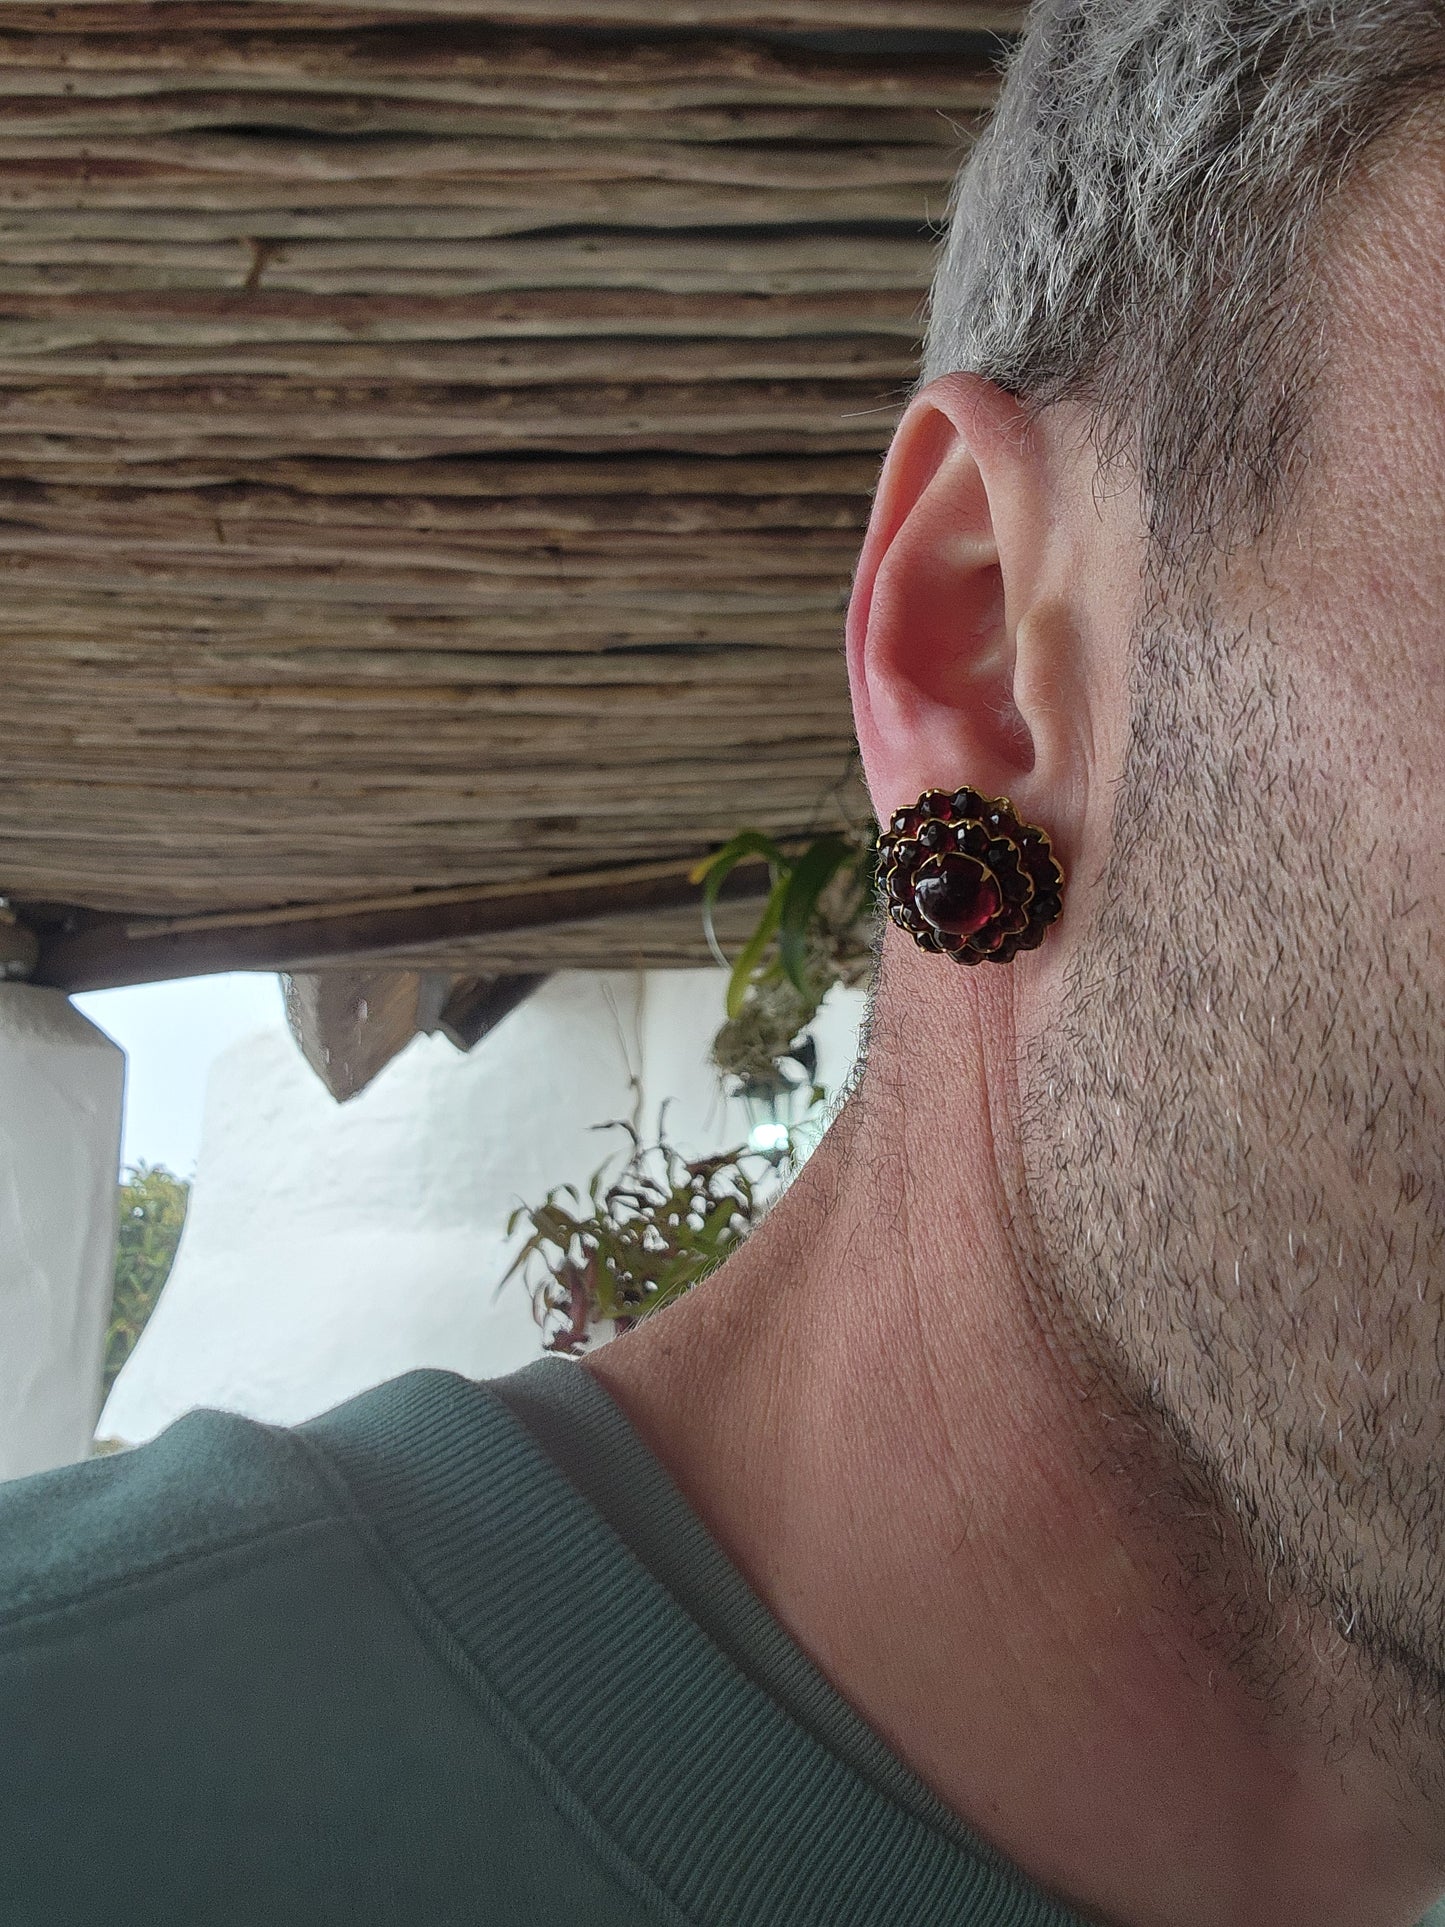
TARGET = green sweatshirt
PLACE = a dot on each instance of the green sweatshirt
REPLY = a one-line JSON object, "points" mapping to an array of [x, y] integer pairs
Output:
{"points": [[455, 1652]]}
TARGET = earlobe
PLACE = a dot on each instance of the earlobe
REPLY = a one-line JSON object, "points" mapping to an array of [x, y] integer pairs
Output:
{"points": [[943, 576]]}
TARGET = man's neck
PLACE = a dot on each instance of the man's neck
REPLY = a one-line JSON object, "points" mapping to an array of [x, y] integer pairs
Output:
{"points": [[867, 1416]]}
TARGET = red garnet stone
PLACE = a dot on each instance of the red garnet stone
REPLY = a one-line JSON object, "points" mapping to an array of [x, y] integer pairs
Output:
{"points": [[957, 895]]}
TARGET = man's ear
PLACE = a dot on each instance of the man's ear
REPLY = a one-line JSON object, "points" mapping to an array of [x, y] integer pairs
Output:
{"points": [[957, 654]]}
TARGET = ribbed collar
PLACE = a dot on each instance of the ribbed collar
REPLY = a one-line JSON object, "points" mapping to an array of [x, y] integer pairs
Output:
{"points": [[677, 1723]]}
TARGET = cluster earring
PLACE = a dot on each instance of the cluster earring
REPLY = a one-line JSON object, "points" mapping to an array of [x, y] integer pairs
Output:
{"points": [[963, 876]]}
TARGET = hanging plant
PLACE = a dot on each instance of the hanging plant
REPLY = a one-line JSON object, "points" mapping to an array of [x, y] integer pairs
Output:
{"points": [[637, 1241], [815, 931]]}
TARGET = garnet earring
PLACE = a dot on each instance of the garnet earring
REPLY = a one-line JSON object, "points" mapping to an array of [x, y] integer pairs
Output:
{"points": [[961, 874]]}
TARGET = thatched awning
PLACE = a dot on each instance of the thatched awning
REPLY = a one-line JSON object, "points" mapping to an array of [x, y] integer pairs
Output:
{"points": [[434, 446]]}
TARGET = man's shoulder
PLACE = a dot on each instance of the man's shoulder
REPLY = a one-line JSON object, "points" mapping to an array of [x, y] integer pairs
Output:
{"points": [[209, 1485], [249, 1622]]}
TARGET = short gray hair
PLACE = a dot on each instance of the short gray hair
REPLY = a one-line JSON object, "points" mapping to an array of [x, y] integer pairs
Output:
{"points": [[1133, 232]]}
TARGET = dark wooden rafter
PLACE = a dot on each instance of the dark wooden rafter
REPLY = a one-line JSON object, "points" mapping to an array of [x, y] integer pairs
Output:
{"points": [[474, 1006], [350, 1024], [79, 952]]}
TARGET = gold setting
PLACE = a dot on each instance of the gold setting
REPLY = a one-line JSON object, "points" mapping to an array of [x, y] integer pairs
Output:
{"points": [[991, 883]]}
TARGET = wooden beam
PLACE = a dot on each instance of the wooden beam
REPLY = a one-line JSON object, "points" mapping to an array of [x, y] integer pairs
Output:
{"points": [[478, 1004], [103, 952], [350, 1024], [645, 940]]}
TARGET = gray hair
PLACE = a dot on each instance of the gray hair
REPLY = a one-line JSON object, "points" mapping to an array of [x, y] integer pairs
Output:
{"points": [[1134, 232]]}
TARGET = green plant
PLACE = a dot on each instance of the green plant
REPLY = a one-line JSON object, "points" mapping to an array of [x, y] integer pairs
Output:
{"points": [[637, 1241], [815, 931], [153, 1204]]}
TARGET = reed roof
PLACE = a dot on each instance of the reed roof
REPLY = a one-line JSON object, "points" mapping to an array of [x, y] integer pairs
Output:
{"points": [[435, 440]]}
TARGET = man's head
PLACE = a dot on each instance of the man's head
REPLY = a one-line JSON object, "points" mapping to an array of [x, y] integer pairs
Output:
{"points": [[1138, 229], [1159, 552]]}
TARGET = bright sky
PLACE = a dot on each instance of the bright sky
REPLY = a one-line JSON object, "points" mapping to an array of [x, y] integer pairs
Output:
{"points": [[171, 1034]]}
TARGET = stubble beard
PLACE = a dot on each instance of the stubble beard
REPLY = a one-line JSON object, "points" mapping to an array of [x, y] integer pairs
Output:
{"points": [[1233, 1142]]}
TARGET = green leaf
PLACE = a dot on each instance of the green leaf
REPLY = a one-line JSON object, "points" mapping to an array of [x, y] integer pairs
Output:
{"points": [[153, 1204], [713, 874], [751, 955], [812, 874], [660, 1227]]}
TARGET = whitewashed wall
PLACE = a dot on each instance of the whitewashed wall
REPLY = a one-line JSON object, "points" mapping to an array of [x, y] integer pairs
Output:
{"points": [[330, 1247], [61, 1088]]}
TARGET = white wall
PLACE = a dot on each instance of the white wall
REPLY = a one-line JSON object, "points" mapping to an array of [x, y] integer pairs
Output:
{"points": [[171, 1033], [62, 1085], [330, 1247]]}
